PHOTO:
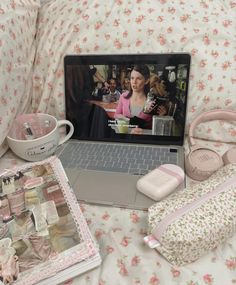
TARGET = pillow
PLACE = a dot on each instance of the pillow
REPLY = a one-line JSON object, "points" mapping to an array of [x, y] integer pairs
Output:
{"points": [[17, 51], [84, 27]]}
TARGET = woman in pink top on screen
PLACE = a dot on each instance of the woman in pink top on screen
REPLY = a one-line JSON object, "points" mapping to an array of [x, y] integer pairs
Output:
{"points": [[131, 102]]}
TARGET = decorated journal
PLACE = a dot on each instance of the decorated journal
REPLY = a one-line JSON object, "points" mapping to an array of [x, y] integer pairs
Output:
{"points": [[44, 238]]}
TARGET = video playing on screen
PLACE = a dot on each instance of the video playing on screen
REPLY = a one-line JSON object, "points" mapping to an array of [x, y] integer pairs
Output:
{"points": [[109, 101]]}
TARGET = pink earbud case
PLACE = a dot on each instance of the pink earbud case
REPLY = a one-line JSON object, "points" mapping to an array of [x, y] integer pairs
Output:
{"points": [[161, 181]]}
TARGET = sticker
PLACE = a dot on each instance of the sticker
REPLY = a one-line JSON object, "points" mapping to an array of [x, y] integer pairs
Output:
{"points": [[33, 182], [8, 185], [53, 188]]}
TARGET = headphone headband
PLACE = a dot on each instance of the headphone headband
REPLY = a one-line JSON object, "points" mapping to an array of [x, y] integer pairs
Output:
{"points": [[218, 114]]}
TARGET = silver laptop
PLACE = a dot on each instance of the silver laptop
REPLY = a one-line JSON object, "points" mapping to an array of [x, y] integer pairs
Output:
{"points": [[108, 154]]}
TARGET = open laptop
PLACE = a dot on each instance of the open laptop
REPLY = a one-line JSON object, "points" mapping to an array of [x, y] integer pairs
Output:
{"points": [[93, 88]]}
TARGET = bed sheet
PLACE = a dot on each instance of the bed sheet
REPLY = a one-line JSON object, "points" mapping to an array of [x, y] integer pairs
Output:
{"points": [[126, 260], [17, 51], [205, 29], [35, 35]]}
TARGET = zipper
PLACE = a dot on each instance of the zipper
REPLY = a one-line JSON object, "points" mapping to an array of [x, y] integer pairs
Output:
{"points": [[170, 218]]}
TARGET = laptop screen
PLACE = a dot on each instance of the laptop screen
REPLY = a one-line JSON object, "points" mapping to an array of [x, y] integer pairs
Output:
{"points": [[127, 98]]}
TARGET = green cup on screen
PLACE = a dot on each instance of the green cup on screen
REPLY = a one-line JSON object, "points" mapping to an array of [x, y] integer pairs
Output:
{"points": [[123, 125]]}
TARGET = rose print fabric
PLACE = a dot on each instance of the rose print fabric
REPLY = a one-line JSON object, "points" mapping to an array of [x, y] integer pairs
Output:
{"points": [[192, 222], [126, 259], [17, 52], [205, 29]]}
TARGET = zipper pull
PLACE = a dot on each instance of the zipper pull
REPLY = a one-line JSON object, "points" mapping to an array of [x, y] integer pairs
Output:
{"points": [[151, 241]]}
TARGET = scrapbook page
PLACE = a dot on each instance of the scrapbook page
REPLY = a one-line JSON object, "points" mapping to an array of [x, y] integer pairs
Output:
{"points": [[44, 238]]}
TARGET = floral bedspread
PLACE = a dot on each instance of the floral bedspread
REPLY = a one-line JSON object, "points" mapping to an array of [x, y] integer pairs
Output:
{"points": [[35, 35], [126, 260]]}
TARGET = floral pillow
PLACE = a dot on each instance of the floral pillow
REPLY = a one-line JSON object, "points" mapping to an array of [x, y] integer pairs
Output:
{"points": [[205, 30], [17, 52]]}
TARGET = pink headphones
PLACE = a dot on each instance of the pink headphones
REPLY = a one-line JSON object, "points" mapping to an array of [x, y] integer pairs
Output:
{"points": [[202, 162]]}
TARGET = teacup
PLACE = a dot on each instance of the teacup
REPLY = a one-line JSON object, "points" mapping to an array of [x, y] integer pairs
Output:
{"points": [[36, 136], [123, 125]]}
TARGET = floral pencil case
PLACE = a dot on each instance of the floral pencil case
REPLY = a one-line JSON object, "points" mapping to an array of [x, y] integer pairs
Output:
{"points": [[191, 222]]}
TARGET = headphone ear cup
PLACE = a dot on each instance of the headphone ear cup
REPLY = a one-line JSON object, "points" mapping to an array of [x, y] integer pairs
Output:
{"points": [[230, 156], [201, 163]]}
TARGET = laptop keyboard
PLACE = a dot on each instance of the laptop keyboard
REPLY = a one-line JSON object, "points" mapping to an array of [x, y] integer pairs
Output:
{"points": [[132, 159]]}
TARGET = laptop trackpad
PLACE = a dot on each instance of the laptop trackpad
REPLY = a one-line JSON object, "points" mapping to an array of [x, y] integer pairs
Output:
{"points": [[108, 188]]}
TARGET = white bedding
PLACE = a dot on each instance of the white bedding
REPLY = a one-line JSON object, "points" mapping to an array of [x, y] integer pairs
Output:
{"points": [[126, 260], [33, 41]]}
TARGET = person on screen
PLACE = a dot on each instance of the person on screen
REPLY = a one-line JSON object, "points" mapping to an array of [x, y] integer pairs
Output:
{"points": [[125, 84], [114, 93], [131, 103]]}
